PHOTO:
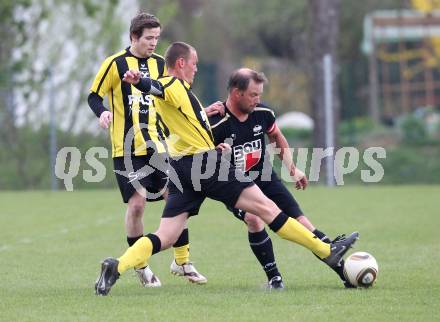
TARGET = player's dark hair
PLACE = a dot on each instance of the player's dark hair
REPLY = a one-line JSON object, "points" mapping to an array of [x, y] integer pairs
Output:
{"points": [[175, 51], [240, 79], [143, 21]]}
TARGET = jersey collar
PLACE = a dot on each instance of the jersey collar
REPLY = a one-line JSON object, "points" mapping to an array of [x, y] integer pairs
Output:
{"points": [[185, 83], [130, 54], [232, 115]]}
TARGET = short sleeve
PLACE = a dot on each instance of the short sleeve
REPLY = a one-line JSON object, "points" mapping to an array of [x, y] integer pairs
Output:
{"points": [[269, 117], [172, 90]]}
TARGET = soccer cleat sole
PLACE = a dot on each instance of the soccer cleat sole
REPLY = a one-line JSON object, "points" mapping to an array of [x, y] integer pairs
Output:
{"points": [[105, 289], [98, 290]]}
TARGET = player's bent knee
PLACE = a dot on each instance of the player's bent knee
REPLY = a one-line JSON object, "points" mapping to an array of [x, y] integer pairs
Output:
{"points": [[167, 240], [267, 211], [170, 230]]}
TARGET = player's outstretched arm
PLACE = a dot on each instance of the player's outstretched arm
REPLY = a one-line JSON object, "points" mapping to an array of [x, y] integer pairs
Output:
{"points": [[277, 137], [144, 84]]}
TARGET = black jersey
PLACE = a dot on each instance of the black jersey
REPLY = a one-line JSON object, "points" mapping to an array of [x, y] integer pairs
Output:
{"points": [[247, 140]]}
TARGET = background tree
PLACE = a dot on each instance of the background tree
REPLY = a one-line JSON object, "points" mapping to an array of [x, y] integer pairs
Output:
{"points": [[41, 36]]}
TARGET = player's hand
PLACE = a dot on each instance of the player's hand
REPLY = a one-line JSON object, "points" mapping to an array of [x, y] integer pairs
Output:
{"points": [[224, 147], [132, 76], [105, 119], [300, 179], [215, 108]]}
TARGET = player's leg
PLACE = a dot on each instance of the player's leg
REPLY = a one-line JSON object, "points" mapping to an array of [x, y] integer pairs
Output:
{"points": [[181, 247], [134, 226], [338, 269], [167, 234], [146, 246], [236, 190], [261, 245], [278, 193], [181, 265], [134, 195], [254, 201]]}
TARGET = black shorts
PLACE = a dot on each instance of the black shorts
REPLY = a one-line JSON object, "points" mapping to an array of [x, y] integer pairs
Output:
{"points": [[199, 176], [278, 193], [147, 171]]}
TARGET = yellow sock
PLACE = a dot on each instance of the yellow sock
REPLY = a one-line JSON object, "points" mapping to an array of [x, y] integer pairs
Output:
{"points": [[136, 256], [181, 254], [294, 231]]}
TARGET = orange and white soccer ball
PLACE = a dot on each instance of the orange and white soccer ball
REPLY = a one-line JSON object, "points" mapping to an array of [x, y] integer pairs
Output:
{"points": [[361, 269]]}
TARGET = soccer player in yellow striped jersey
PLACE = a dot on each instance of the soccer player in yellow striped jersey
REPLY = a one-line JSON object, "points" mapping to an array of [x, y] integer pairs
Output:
{"points": [[189, 119], [137, 134], [202, 172]]}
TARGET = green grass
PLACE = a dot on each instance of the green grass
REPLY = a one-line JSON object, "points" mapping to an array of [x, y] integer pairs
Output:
{"points": [[51, 245]]}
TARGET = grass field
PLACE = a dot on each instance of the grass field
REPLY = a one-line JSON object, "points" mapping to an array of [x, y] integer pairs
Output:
{"points": [[51, 245]]}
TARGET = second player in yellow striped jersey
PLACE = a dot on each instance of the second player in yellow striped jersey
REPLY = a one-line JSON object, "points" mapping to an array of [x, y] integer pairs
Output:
{"points": [[185, 117], [131, 107]]}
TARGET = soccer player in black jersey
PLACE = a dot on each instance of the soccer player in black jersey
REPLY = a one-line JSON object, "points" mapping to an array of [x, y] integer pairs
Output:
{"points": [[131, 114], [201, 172], [244, 126]]}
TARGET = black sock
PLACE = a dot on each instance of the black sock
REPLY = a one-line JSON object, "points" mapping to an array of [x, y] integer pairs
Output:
{"points": [[157, 244], [338, 269], [183, 239], [261, 246], [132, 240], [322, 236], [278, 222]]}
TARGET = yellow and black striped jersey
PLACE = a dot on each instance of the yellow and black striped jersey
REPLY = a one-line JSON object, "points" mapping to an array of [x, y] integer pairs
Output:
{"points": [[184, 116], [136, 125]]}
